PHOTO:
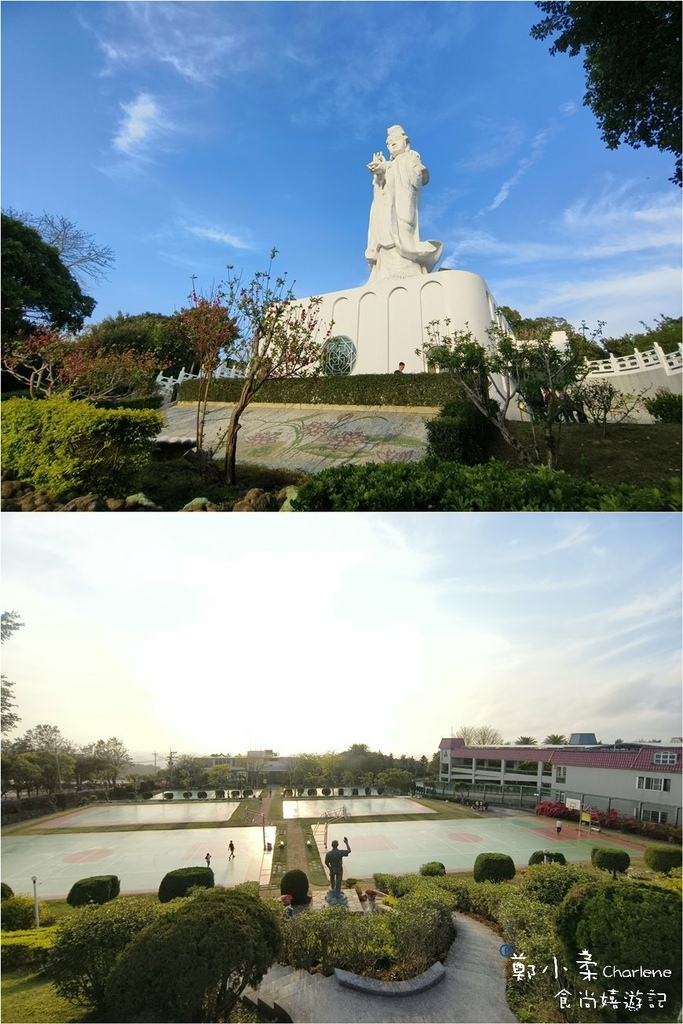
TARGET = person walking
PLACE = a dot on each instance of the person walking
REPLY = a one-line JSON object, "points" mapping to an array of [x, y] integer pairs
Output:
{"points": [[208, 860], [231, 848], [558, 827]]}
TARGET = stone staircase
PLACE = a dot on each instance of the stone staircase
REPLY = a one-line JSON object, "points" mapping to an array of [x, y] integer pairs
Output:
{"points": [[282, 987]]}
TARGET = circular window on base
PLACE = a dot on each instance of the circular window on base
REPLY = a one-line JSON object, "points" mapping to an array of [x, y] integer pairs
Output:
{"points": [[339, 356]]}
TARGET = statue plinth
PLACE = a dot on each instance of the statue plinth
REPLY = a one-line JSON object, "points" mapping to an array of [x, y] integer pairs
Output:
{"points": [[336, 899]]}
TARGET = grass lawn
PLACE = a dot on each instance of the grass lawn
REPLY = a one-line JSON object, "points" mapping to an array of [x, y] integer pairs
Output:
{"points": [[29, 997], [628, 453], [174, 483]]}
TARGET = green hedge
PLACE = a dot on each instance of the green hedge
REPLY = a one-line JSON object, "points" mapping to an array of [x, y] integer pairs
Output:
{"points": [[412, 389], [62, 445], [27, 949], [538, 857], [449, 487], [179, 882], [665, 406], [663, 858], [5, 891], [460, 433], [96, 889], [433, 867]]}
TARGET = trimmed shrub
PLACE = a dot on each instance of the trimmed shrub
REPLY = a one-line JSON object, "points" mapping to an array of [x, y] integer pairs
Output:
{"points": [[61, 445], [433, 867], [550, 883], [179, 882], [5, 891], [665, 406], [610, 860], [538, 857], [493, 867], [326, 791], [432, 486], [193, 964], [460, 433], [98, 889], [321, 940], [88, 942], [27, 950], [18, 913], [295, 884], [663, 858]]}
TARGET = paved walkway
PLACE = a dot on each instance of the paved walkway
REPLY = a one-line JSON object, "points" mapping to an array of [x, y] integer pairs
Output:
{"points": [[472, 992], [311, 438]]}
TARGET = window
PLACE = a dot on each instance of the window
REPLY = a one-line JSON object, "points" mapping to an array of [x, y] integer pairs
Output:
{"points": [[656, 782], [664, 757], [444, 755], [659, 817], [560, 774]]}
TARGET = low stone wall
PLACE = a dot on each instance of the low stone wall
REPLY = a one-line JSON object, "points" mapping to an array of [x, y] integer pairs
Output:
{"points": [[375, 987]]}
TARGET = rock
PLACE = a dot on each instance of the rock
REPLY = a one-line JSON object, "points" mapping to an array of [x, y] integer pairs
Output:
{"points": [[254, 500], [86, 503], [116, 504], [7, 505], [13, 488], [197, 505], [141, 503]]}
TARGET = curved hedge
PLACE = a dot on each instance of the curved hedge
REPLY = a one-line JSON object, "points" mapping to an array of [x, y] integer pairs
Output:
{"points": [[538, 857], [432, 486]]}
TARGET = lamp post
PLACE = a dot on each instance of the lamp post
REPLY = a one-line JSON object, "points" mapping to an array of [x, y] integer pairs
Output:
{"points": [[36, 908]]}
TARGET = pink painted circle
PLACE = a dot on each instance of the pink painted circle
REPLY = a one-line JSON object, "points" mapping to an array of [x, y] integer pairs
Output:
{"points": [[464, 837], [83, 856]]}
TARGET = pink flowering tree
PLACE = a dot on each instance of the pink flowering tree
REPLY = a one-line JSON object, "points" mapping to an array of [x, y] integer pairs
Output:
{"points": [[210, 331], [54, 363]]}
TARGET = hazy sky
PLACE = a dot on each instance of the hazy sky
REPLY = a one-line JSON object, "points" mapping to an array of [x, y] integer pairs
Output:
{"points": [[222, 633], [189, 136]]}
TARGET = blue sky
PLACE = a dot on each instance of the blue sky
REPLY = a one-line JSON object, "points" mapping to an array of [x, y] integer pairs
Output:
{"points": [[313, 632], [190, 136]]}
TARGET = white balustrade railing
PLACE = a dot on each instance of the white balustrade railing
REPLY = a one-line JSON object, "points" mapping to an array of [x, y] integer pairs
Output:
{"points": [[654, 358], [168, 384]]}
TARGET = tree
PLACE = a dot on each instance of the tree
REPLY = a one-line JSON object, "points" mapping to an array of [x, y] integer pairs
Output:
{"points": [[479, 735], [38, 290], [52, 363], [145, 334], [526, 741], [209, 329], [279, 338], [536, 372], [103, 761], [10, 623], [260, 327], [555, 739], [602, 401], [632, 60], [193, 964], [610, 860], [78, 251], [666, 331], [396, 778]]}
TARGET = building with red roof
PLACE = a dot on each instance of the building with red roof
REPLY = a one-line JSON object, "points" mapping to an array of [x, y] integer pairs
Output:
{"points": [[640, 780]]}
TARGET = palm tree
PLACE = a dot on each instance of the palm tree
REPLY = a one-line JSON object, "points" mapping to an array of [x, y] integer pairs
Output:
{"points": [[526, 741], [555, 739]]}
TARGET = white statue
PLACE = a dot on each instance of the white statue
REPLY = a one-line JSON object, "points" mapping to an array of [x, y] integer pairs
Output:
{"points": [[394, 246]]}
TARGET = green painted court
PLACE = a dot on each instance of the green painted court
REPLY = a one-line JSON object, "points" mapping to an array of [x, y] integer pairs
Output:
{"points": [[142, 858]]}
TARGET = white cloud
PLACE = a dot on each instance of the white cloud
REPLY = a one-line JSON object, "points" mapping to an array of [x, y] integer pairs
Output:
{"points": [[219, 235], [143, 124]]}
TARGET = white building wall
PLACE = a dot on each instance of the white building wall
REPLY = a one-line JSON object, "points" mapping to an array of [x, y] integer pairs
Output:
{"points": [[387, 320], [621, 784]]}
